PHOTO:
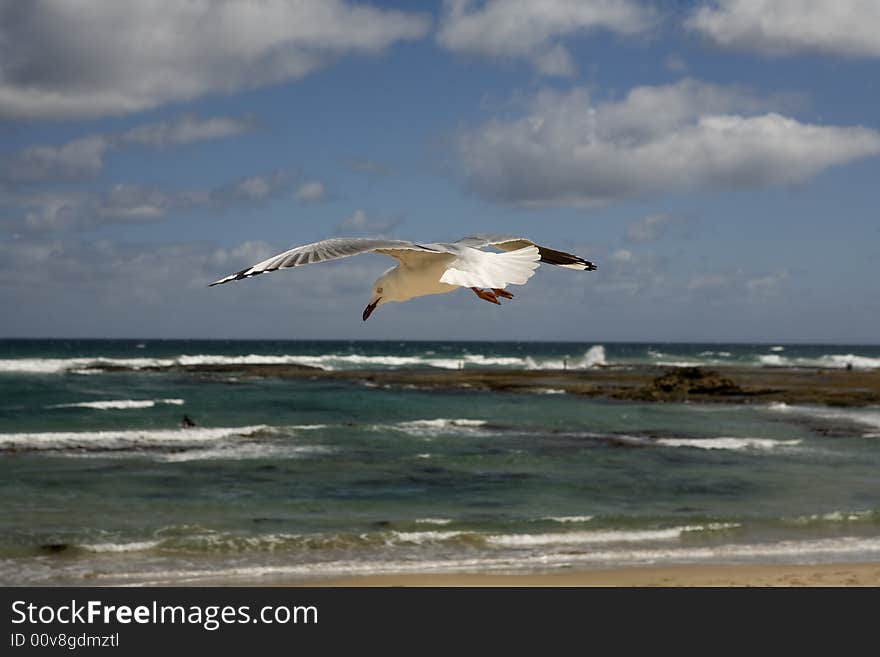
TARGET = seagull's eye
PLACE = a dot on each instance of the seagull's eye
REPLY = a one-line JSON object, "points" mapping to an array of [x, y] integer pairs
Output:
{"points": [[379, 290]]}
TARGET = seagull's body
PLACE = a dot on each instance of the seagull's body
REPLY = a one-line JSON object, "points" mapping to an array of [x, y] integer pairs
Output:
{"points": [[425, 269]]}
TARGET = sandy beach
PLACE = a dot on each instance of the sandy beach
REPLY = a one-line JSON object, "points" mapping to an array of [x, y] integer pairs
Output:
{"points": [[827, 574]]}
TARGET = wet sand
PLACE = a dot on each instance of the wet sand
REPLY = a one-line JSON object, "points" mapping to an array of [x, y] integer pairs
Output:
{"points": [[833, 574], [843, 388]]}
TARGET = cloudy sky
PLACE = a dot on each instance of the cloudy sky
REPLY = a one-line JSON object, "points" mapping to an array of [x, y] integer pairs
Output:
{"points": [[719, 160]]}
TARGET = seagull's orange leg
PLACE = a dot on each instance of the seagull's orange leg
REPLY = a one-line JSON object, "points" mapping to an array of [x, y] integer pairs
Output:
{"points": [[504, 294], [485, 295]]}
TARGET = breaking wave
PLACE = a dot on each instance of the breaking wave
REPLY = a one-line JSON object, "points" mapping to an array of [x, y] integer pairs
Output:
{"points": [[593, 357], [603, 536], [169, 445], [436, 427], [728, 443], [120, 404], [829, 361]]}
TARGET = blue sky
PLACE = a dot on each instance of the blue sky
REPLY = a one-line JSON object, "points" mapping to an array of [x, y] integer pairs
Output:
{"points": [[718, 160]]}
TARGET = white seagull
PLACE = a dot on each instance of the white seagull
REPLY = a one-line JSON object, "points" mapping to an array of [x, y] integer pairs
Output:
{"points": [[424, 269]]}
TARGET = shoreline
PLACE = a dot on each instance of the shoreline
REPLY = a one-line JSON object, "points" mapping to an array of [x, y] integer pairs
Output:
{"points": [[692, 575], [641, 383]]}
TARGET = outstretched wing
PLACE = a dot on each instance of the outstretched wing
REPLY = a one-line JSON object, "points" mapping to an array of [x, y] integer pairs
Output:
{"points": [[548, 256], [475, 268], [331, 249]]}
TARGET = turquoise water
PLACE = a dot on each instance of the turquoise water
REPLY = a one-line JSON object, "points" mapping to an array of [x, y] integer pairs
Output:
{"points": [[304, 479]]}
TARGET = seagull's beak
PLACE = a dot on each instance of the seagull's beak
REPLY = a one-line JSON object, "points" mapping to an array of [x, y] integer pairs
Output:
{"points": [[370, 308]]}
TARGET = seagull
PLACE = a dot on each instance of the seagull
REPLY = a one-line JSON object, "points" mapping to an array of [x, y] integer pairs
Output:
{"points": [[425, 269]]}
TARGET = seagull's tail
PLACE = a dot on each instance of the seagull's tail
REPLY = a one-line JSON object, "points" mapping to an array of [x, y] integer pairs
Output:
{"points": [[493, 270]]}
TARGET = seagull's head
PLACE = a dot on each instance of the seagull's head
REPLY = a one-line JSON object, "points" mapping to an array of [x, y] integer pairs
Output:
{"points": [[384, 290]]}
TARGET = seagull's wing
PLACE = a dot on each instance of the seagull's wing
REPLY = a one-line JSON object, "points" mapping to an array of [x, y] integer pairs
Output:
{"points": [[474, 268], [509, 243], [332, 249]]}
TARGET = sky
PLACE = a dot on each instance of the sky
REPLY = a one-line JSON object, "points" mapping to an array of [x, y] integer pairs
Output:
{"points": [[718, 159]]}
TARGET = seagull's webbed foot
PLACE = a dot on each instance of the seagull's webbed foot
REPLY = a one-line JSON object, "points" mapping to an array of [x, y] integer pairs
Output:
{"points": [[504, 294], [486, 295]]}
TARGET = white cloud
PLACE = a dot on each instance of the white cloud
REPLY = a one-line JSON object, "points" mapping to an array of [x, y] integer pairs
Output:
{"points": [[572, 150], [74, 161], [87, 287], [622, 255], [737, 284], [712, 281], [61, 60], [53, 211], [361, 223], [532, 30], [650, 228], [134, 203], [769, 285], [253, 188], [245, 254], [311, 191], [83, 158], [785, 27], [186, 129]]}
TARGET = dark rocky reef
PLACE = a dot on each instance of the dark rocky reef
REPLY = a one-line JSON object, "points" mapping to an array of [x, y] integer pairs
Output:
{"points": [[630, 383], [688, 380]]}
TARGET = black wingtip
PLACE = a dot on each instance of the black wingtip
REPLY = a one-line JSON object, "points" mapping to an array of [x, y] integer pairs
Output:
{"points": [[237, 276], [563, 259]]}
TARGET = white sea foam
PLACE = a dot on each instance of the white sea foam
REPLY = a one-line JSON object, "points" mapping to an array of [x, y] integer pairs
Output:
{"points": [[122, 439], [442, 423], [134, 546], [829, 361], [62, 365], [602, 536], [674, 360], [433, 521], [334, 361], [120, 404], [593, 357], [835, 516], [868, 417], [424, 537], [436, 427], [787, 551], [728, 443], [794, 551], [354, 361], [777, 348], [568, 518], [245, 451]]}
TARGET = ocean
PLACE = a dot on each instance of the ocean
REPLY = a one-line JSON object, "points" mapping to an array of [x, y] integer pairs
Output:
{"points": [[298, 480]]}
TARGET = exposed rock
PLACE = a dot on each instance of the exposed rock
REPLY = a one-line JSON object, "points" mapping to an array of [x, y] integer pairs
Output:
{"points": [[625, 383], [693, 380]]}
